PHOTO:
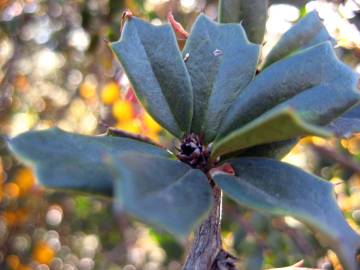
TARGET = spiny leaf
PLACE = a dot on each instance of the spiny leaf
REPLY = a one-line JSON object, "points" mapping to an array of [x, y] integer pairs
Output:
{"points": [[312, 74], [276, 125], [160, 191], [221, 62], [151, 58], [281, 189], [71, 161], [307, 32], [251, 13]]}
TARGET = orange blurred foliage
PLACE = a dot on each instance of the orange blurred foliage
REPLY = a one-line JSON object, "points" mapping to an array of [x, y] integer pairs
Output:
{"points": [[87, 90], [110, 93], [43, 253], [25, 180], [13, 262], [12, 190], [123, 110]]}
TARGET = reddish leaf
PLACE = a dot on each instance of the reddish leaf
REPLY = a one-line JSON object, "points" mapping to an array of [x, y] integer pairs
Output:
{"points": [[225, 168], [180, 32]]}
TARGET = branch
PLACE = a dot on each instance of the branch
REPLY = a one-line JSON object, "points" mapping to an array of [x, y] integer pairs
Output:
{"points": [[121, 133], [206, 251], [343, 160], [207, 242]]}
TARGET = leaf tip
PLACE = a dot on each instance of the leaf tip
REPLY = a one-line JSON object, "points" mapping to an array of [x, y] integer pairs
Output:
{"points": [[127, 14]]}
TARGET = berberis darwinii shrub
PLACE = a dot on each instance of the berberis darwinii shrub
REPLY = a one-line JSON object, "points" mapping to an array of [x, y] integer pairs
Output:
{"points": [[234, 118]]}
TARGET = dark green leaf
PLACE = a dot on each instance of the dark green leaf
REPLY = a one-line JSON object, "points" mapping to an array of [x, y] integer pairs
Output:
{"points": [[151, 58], [221, 63], [276, 150], [347, 124], [71, 161], [321, 36], [161, 191], [322, 104], [251, 13], [320, 88], [274, 126], [307, 32], [353, 113], [281, 189]]}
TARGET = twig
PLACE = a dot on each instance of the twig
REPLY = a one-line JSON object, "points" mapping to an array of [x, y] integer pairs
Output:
{"points": [[296, 266], [303, 245], [120, 133], [343, 160], [250, 230]]}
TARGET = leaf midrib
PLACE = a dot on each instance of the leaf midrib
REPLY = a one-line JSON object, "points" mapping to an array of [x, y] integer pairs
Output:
{"points": [[163, 189], [153, 71]]}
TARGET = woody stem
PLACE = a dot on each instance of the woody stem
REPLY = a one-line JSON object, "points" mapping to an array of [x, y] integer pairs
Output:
{"points": [[207, 242]]}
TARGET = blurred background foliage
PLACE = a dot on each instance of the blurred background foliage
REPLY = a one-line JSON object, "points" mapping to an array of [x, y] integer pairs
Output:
{"points": [[57, 70]]}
